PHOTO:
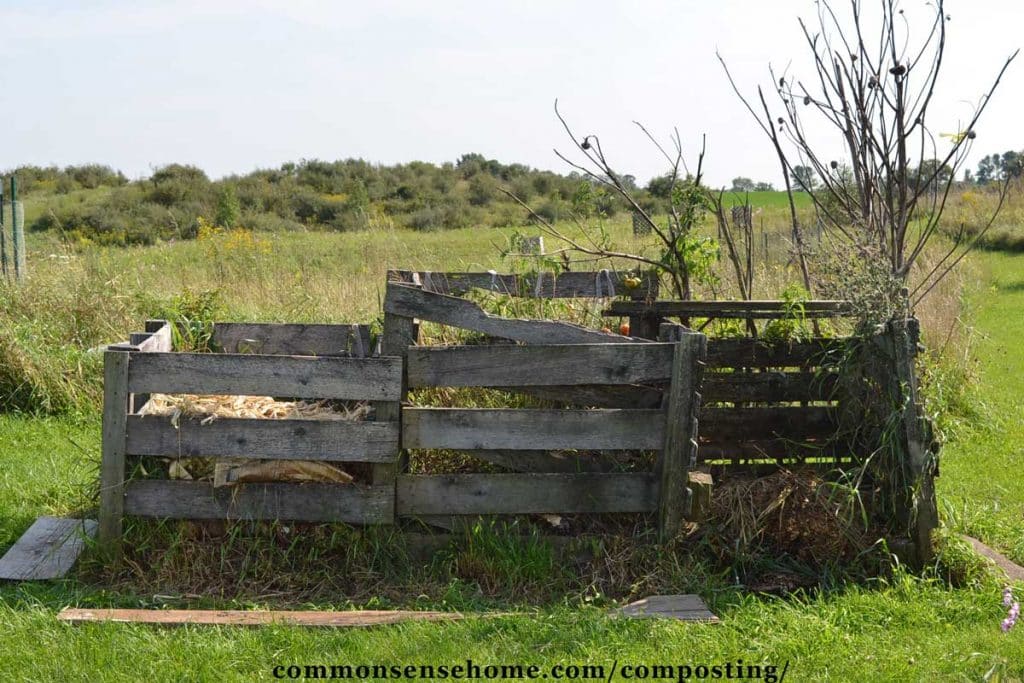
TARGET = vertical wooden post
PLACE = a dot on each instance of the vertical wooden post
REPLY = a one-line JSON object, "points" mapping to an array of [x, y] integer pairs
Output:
{"points": [[917, 499], [112, 474], [399, 334], [679, 452]]}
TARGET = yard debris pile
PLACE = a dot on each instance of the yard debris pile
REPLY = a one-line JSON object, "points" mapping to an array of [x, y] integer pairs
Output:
{"points": [[207, 408], [797, 513]]}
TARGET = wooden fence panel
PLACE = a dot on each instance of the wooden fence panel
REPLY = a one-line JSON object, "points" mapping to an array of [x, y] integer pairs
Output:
{"points": [[293, 339], [512, 494], [511, 429], [349, 503], [563, 285], [376, 379], [507, 365], [290, 439]]}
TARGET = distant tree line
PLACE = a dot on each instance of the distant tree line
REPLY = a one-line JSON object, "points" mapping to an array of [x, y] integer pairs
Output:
{"points": [[350, 194]]}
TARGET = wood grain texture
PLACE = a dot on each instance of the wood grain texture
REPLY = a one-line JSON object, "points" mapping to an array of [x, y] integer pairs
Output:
{"points": [[501, 494], [510, 429], [795, 422], [291, 339], [679, 607], [566, 462], [293, 376], [352, 503], [175, 617], [115, 412], [754, 353], [538, 365], [399, 335], [595, 395], [47, 550], [562, 285], [764, 309], [413, 302], [679, 450], [292, 439], [768, 387]]}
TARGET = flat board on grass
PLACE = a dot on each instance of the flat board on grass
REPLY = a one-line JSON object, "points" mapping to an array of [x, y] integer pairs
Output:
{"points": [[681, 607], [47, 550], [184, 617]]}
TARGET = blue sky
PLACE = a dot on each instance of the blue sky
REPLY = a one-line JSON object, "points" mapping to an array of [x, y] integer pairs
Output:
{"points": [[233, 86]]}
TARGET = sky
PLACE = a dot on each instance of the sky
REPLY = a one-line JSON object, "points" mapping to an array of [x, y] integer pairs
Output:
{"points": [[232, 86]]}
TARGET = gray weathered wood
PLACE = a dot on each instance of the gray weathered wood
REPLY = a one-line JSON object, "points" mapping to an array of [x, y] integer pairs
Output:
{"points": [[774, 387], [47, 550], [399, 335], [562, 285], [540, 365], [679, 452], [729, 309], [202, 617], [791, 422], [115, 411], [921, 511], [509, 494], [547, 461], [293, 376], [349, 503], [292, 439], [158, 340], [511, 429], [595, 395], [681, 607], [754, 353], [293, 339], [700, 485], [413, 302]]}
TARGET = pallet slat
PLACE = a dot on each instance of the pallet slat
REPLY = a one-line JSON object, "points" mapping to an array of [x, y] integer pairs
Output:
{"points": [[328, 440], [413, 302], [764, 309], [546, 365], [175, 617], [754, 353], [511, 494], [562, 285], [290, 339], [511, 429], [774, 387], [47, 550], [377, 379], [352, 504]]}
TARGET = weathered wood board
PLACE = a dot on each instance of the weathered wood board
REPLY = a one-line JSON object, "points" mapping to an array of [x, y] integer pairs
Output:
{"points": [[47, 550], [547, 365], [377, 379], [512, 429], [563, 285], [195, 617], [509, 494], [754, 353], [413, 302], [291, 439], [680, 607], [764, 309], [290, 339], [353, 504]]}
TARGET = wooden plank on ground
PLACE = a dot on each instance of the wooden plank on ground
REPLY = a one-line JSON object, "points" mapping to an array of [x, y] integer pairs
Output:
{"points": [[774, 386], [538, 365], [291, 439], [510, 494], [195, 617], [681, 607], [377, 379], [352, 503], [47, 550], [562, 285], [511, 429], [413, 302], [290, 339]]}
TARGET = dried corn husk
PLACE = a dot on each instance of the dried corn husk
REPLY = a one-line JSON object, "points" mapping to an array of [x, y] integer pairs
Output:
{"points": [[212, 407]]}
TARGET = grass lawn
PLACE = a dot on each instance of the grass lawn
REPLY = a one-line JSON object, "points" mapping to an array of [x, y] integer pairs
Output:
{"points": [[901, 629]]}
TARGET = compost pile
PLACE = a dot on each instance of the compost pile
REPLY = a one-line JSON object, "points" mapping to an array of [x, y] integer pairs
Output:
{"points": [[207, 408]]}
